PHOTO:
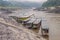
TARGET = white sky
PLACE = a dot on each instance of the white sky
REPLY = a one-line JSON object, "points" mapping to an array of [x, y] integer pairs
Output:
{"points": [[30, 0]]}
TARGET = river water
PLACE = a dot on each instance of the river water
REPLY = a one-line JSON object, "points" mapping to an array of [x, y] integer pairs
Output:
{"points": [[53, 21], [54, 25]]}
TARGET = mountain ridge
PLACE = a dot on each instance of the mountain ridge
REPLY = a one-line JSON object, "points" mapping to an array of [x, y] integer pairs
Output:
{"points": [[20, 4]]}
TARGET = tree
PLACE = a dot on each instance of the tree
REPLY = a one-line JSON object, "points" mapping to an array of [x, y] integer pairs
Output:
{"points": [[50, 3]]}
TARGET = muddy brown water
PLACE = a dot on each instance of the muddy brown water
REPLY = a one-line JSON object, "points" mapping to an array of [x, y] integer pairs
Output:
{"points": [[54, 26]]}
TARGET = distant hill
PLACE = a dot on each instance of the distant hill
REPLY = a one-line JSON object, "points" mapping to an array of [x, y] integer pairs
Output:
{"points": [[20, 4], [26, 4], [50, 3]]}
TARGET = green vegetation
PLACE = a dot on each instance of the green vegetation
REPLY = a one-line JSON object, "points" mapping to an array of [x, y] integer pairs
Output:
{"points": [[51, 3], [19, 4], [23, 19]]}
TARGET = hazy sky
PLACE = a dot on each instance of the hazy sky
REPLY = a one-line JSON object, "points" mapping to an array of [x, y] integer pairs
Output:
{"points": [[30, 0]]}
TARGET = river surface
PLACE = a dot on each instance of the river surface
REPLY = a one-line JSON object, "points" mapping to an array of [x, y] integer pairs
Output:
{"points": [[54, 25], [53, 20]]}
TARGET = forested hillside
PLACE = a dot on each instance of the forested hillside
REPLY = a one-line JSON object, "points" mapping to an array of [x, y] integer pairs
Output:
{"points": [[19, 4], [50, 3]]}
